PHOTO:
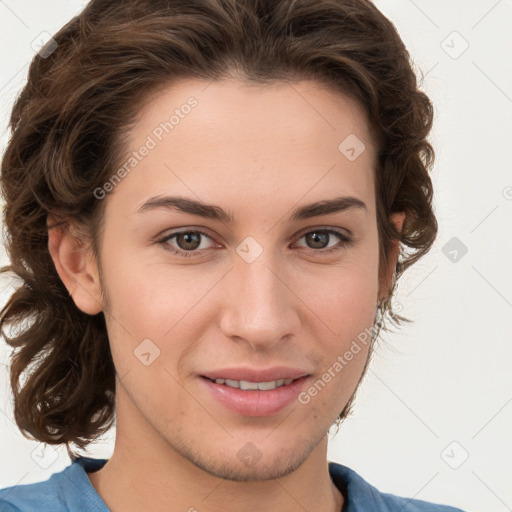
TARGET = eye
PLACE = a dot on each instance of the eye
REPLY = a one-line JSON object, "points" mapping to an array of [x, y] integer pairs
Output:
{"points": [[188, 243], [318, 238]]}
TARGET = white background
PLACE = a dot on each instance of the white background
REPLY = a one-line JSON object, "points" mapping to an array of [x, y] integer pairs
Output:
{"points": [[440, 389]]}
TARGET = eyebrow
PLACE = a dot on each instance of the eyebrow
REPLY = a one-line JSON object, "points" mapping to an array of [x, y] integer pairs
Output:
{"points": [[208, 211]]}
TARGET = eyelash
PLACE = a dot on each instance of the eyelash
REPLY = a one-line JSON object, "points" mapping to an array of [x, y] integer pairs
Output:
{"points": [[345, 242]]}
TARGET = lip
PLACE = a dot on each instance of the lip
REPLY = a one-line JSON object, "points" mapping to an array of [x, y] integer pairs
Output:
{"points": [[256, 375], [255, 402]]}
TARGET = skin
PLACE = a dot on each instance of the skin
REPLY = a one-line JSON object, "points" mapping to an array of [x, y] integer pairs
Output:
{"points": [[176, 448]]}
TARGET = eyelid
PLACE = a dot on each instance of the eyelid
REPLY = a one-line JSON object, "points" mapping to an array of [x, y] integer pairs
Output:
{"points": [[332, 229]]}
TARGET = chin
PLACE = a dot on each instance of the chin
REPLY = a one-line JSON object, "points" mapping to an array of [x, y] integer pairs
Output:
{"points": [[236, 471], [248, 464]]}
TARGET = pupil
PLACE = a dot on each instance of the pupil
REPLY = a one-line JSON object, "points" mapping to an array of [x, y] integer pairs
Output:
{"points": [[192, 238], [316, 237]]}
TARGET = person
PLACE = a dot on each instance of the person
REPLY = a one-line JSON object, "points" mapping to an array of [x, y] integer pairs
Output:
{"points": [[209, 205]]}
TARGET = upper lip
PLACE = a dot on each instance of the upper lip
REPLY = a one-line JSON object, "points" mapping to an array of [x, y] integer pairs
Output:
{"points": [[256, 375]]}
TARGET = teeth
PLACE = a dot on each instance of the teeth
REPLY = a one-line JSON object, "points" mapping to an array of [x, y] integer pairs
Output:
{"points": [[232, 383], [246, 385]]}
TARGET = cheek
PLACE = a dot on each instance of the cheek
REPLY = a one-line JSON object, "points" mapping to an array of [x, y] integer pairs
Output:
{"points": [[156, 303], [345, 296], [153, 296], [345, 301]]}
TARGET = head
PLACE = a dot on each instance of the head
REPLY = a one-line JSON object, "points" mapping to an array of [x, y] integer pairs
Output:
{"points": [[253, 110]]}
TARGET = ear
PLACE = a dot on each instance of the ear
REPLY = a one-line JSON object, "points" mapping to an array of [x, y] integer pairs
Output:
{"points": [[76, 266], [387, 274]]}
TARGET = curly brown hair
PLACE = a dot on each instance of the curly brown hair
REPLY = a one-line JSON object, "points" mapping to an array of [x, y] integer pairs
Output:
{"points": [[67, 138]]}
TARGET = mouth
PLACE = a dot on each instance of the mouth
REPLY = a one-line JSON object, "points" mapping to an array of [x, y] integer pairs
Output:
{"points": [[249, 392], [246, 385]]}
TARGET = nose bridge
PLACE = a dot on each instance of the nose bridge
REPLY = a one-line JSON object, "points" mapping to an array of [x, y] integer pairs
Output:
{"points": [[259, 307]]}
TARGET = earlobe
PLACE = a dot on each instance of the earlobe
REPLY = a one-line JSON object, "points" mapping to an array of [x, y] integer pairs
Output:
{"points": [[76, 268], [386, 281]]}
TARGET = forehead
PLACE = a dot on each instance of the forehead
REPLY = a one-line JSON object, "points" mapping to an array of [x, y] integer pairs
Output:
{"points": [[225, 141]]}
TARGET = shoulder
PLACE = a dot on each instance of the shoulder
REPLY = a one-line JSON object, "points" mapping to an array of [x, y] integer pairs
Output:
{"points": [[361, 496], [30, 497], [5, 507], [66, 491]]}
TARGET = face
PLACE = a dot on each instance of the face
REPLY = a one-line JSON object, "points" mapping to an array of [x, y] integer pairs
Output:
{"points": [[256, 288]]}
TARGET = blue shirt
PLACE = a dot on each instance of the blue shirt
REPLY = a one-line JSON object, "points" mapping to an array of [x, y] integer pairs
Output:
{"points": [[70, 490]]}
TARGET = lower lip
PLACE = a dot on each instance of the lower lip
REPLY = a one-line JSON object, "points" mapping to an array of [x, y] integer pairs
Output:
{"points": [[255, 402]]}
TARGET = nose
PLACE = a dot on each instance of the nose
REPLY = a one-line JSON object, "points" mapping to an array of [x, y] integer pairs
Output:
{"points": [[259, 303]]}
